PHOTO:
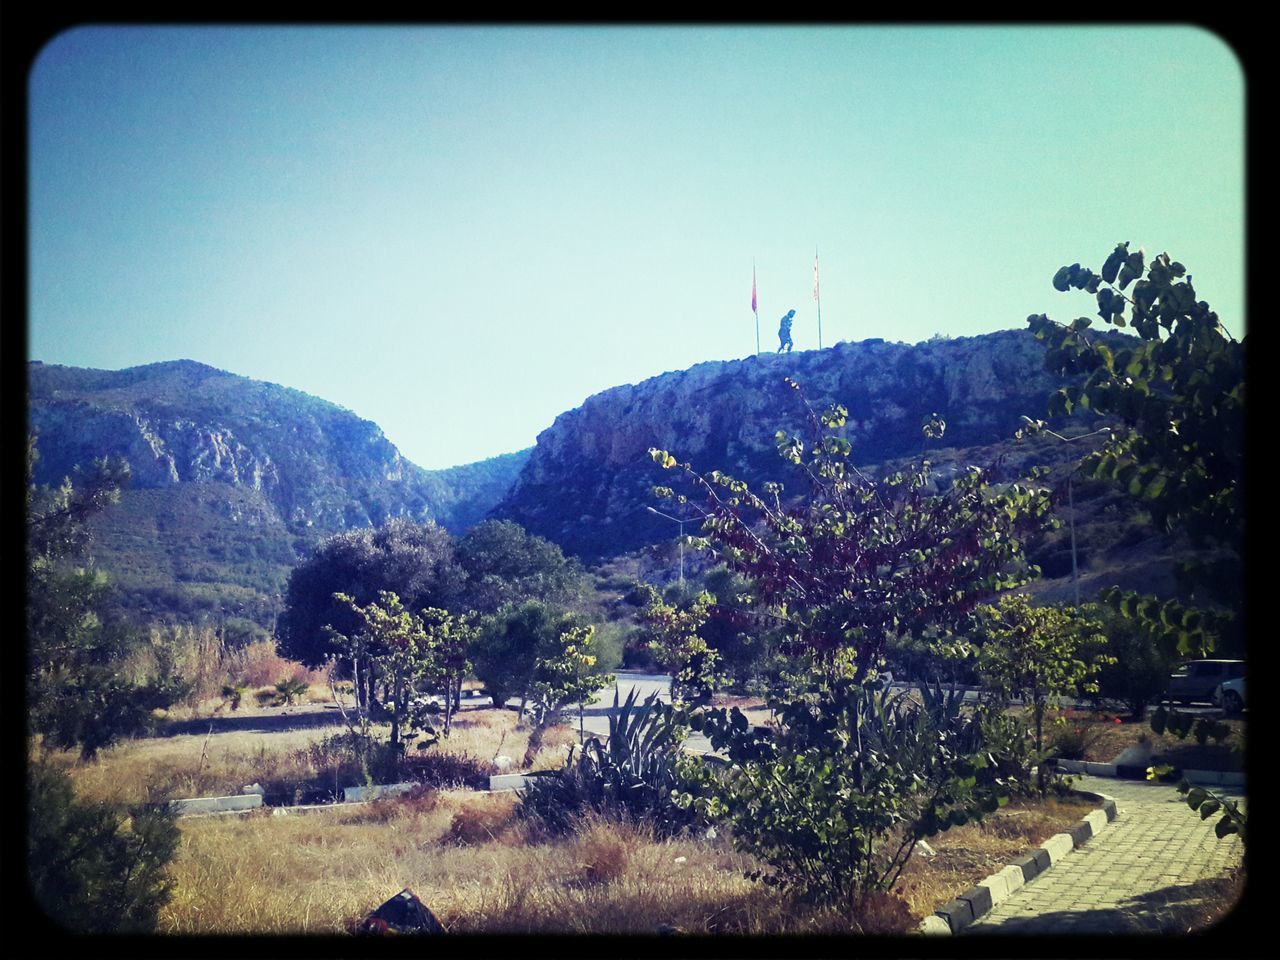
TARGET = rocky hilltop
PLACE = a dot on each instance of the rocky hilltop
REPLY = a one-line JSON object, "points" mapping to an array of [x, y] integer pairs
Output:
{"points": [[588, 480], [232, 478]]}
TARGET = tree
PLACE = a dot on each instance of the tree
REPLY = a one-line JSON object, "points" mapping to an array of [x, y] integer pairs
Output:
{"points": [[859, 559], [853, 562], [76, 694], [835, 798], [505, 564], [406, 647], [505, 650], [530, 650], [676, 641], [1139, 671], [1038, 654], [566, 670], [1178, 391], [93, 868], [414, 561], [450, 638]]}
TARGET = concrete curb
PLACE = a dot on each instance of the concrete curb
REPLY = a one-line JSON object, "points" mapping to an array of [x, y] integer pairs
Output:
{"points": [[235, 804], [1123, 771], [973, 904]]}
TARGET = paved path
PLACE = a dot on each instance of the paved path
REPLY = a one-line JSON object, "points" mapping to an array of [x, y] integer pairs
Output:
{"points": [[1130, 878]]}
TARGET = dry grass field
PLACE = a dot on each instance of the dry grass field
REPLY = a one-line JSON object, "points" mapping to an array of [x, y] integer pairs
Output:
{"points": [[468, 855], [275, 746], [480, 869]]}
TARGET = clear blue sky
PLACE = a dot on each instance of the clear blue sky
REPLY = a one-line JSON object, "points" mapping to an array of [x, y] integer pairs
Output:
{"points": [[460, 233]]}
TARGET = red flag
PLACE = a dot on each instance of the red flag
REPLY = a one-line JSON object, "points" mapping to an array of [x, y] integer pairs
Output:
{"points": [[815, 275], [753, 288]]}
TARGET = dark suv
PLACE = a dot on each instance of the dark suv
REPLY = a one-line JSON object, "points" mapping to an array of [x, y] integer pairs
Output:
{"points": [[1198, 679]]}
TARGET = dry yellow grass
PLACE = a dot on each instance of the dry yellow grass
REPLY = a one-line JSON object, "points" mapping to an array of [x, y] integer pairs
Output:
{"points": [[200, 765], [316, 872], [313, 873], [470, 858]]}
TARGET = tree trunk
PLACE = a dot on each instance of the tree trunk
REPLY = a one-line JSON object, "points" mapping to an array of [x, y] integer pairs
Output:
{"points": [[395, 722], [448, 705]]}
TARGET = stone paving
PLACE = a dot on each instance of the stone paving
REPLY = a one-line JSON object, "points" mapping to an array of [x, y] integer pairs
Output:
{"points": [[1131, 878]]}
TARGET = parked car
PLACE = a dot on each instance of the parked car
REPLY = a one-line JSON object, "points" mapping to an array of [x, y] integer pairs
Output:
{"points": [[1197, 680], [1229, 695]]}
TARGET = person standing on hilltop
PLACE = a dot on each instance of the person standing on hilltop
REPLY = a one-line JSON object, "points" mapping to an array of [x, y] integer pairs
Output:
{"points": [[784, 332]]}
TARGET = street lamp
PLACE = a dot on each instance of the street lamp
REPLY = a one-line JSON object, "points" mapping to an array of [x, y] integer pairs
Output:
{"points": [[1071, 503], [681, 522]]}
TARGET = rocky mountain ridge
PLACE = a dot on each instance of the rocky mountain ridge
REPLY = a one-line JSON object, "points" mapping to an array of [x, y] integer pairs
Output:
{"points": [[216, 457], [235, 479], [588, 480]]}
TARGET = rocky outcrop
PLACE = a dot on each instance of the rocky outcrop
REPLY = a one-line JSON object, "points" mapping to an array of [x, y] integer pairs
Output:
{"points": [[180, 422], [589, 477], [233, 480]]}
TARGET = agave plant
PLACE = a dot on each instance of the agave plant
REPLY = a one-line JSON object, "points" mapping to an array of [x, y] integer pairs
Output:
{"points": [[630, 774]]}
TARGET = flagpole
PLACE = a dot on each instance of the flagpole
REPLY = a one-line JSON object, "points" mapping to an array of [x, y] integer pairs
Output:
{"points": [[753, 304], [817, 295]]}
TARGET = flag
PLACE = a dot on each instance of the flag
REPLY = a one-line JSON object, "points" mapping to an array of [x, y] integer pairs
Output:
{"points": [[815, 275], [753, 288]]}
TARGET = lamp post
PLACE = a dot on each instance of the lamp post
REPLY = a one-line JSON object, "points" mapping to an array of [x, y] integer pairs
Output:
{"points": [[1071, 503], [681, 522]]}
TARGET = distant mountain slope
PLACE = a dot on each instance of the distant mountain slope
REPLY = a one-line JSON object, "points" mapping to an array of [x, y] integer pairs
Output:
{"points": [[588, 480], [233, 478]]}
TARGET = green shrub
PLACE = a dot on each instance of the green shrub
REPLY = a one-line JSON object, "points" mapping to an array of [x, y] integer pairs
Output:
{"points": [[95, 869], [834, 800], [290, 689]]}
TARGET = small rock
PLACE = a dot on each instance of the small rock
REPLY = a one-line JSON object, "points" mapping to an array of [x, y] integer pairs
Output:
{"points": [[925, 850], [680, 859], [254, 788]]}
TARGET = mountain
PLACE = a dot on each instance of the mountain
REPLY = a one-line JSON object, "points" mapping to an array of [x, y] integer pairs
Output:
{"points": [[233, 479], [588, 480]]}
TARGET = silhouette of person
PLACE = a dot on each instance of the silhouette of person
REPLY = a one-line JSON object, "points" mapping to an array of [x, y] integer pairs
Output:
{"points": [[784, 332]]}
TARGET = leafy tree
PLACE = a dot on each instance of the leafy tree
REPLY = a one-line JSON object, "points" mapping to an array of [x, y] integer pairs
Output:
{"points": [[405, 648], [835, 797], [450, 638], [77, 694], [1038, 654], [1141, 664], [1178, 391], [566, 670], [505, 564], [414, 561], [95, 869], [835, 800], [861, 559], [743, 647], [505, 651], [544, 656], [677, 643]]}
